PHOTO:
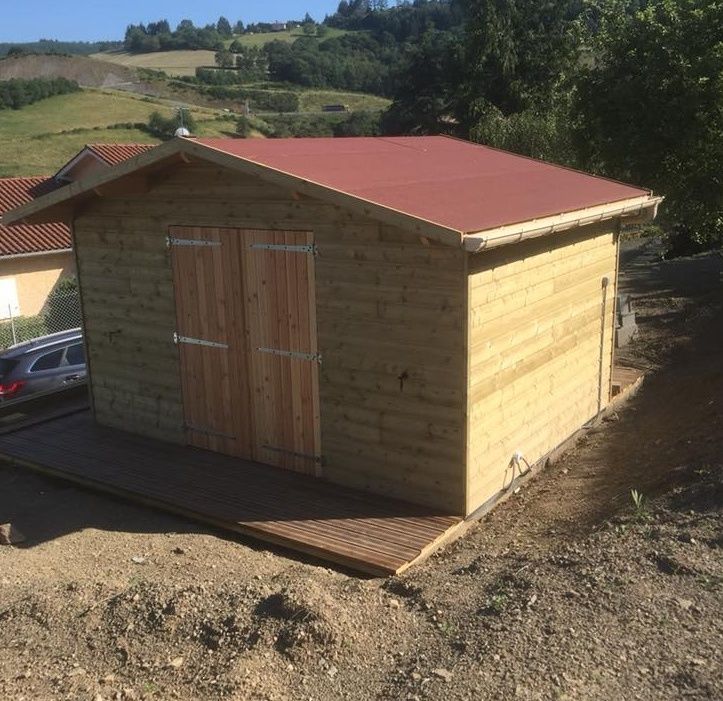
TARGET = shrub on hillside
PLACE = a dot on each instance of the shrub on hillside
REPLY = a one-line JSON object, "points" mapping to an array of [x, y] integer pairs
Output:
{"points": [[165, 127], [18, 92]]}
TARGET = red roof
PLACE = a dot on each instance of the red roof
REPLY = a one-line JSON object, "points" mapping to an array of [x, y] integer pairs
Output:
{"points": [[453, 183], [117, 153], [29, 238]]}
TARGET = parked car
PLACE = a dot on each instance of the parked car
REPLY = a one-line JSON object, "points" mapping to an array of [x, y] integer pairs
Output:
{"points": [[45, 363]]}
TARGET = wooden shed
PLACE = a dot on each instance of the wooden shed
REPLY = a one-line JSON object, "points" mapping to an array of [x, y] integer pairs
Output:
{"points": [[416, 317]]}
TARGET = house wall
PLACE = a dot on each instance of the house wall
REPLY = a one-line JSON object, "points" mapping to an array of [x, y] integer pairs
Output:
{"points": [[536, 335], [35, 277], [391, 319]]}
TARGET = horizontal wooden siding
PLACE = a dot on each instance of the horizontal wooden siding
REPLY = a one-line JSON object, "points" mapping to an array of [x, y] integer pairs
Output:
{"points": [[536, 336], [391, 315]]}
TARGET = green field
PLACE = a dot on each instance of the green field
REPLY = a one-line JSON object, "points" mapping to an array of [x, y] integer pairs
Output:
{"points": [[174, 63], [179, 63], [39, 138], [313, 100], [292, 35]]}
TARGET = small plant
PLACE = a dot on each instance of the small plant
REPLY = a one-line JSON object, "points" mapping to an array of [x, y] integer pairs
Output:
{"points": [[640, 505], [497, 603]]}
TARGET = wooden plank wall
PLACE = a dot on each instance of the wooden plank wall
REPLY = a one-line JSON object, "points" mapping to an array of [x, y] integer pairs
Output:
{"points": [[535, 330], [391, 318]]}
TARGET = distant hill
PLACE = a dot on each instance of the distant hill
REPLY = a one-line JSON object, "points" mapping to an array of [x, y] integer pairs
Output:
{"points": [[78, 48], [87, 72]]}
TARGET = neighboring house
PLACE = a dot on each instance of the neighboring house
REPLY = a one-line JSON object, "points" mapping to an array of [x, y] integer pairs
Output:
{"points": [[418, 317], [34, 257], [95, 157]]}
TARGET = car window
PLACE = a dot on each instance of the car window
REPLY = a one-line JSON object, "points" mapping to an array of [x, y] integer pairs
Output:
{"points": [[48, 361], [75, 355]]}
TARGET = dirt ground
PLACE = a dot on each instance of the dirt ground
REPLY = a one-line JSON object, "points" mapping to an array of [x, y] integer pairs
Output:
{"points": [[565, 591]]}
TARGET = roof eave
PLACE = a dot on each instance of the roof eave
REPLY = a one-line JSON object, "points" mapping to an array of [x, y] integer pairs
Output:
{"points": [[634, 210], [35, 254]]}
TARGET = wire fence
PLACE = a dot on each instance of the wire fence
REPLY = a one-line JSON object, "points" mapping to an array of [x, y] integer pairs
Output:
{"points": [[61, 312]]}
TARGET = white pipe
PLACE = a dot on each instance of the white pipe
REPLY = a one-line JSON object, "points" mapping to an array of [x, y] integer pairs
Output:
{"points": [[642, 209]]}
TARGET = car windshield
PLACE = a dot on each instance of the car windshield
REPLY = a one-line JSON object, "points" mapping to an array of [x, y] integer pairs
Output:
{"points": [[7, 365]]}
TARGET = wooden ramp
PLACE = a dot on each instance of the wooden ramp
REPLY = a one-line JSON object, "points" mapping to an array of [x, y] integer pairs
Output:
{"points": [[371, 534]]}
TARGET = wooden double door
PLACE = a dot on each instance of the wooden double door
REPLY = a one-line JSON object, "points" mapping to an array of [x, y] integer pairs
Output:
{"points": [[246, 334]]}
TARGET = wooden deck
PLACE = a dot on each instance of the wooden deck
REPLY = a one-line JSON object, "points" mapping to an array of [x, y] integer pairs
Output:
{"points": [[371, 534], [625, 381]]}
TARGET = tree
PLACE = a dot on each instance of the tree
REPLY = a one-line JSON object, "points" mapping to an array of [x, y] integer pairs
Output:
{"points": [[650, 110], [424, 102], [238, 28], [223, 26], [224, 59], [517, 54]]}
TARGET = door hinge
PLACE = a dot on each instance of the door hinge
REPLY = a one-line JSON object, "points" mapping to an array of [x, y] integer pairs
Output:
{"points": [[170, 241], [302, 248], [208, 431], [305, 456], [177, 338], [316, 357]]}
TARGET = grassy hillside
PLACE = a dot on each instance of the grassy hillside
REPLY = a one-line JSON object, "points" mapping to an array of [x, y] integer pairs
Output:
{"points": [[172, 62], [313, 100], [292, 35], [39, 138], [185, 62]]}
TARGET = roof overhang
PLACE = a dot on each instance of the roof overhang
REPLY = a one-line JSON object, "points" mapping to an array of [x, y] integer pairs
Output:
{"points": [[135, 175], [636, 210]]}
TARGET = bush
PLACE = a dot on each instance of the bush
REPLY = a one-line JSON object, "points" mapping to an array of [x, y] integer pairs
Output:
{"points": [[259, 100], [63, 307], [26, 328], [298, 125], [359, 124], [17, 92], [246, 125], [165, 127]]}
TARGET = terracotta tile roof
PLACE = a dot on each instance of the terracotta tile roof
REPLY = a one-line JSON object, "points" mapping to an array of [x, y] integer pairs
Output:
{"points": [[117, 153], [29, 238]]}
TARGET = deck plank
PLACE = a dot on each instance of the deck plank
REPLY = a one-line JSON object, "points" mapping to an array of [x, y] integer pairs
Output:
{"points": [[369, 533]]}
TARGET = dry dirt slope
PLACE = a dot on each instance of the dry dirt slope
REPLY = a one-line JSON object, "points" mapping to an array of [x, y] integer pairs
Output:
{"points": [[87, 72], [562, 592]]}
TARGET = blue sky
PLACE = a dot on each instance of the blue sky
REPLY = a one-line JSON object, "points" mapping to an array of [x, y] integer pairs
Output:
{"points": [[90, 20]]}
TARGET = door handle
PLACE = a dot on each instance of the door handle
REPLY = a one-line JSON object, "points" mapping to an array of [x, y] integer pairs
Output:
{"points": [[71, 378]]}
